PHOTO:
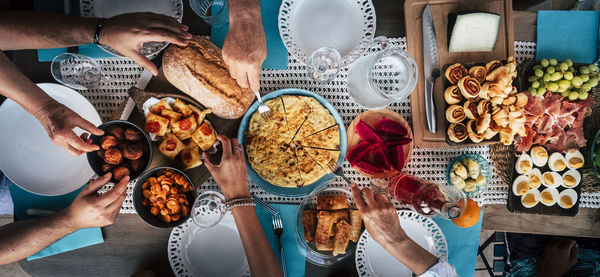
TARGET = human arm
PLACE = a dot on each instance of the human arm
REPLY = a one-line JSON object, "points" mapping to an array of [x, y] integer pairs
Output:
{"points": [[26, 237], [245, 46], [231, 176], [382, 223], [559, 256]]}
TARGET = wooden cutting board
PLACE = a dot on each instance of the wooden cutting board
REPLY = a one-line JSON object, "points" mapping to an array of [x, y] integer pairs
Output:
{"points": [[414, 42]]}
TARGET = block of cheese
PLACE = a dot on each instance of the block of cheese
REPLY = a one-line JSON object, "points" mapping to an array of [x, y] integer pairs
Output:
{"points": [[473, 32]]}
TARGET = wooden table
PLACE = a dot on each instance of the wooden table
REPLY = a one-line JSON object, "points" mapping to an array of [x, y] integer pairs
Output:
{"points": [[131, 245]]}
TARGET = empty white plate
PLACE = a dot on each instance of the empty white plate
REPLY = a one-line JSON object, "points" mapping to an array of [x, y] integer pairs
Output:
{"points": [[30, 159]]}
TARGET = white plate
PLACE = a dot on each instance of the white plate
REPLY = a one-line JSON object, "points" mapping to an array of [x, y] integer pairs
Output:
{"points": [[373, 260], [214, 251], [110, 8], [345, 25], [30, 159]]}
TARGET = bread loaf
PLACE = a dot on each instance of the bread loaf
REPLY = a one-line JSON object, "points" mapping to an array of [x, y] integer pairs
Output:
{"points": [[199, 71]]}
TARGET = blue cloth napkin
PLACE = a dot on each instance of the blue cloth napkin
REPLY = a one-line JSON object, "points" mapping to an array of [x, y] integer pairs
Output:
{"points": [[277, 55], [24, 200], [567, 34], [57, 6], [463, 244], [295, 254]]}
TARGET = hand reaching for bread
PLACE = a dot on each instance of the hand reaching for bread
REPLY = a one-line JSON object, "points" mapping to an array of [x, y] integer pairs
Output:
{"points": [[127, 32]]}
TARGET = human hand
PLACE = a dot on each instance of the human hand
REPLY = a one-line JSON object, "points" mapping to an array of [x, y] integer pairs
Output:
{"points": [[92, 210], [244, 50], [559, 256], [59, 122], [126, 33], [230, 174]]}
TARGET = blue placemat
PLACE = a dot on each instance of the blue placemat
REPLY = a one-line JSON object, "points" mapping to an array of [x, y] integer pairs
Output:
{"points": [[295, 255], [277, 55], [23, 200], [567, 34], [463, 244]]}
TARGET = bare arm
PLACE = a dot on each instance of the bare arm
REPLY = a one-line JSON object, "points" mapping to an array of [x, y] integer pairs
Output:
{"points": [[231, 176], [25, 238]]}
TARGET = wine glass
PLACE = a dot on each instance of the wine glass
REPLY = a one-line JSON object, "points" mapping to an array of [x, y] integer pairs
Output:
{"points": [[76, 71], [213, 12], [209, 209], [324, 64]]}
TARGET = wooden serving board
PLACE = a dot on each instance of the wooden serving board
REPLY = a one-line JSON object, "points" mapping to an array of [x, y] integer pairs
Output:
{"points": [[414, 41]]}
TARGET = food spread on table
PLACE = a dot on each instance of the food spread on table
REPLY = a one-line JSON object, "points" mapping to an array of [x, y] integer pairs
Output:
{"points": [[297, 145], [122, 149], [166, 195], [181, 128], [332, 225]]}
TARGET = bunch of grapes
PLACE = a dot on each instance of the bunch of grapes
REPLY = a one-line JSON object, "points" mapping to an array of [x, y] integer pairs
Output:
{"points": [[550, 75]]}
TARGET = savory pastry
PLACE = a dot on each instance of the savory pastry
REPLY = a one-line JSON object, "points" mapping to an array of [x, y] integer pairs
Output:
{"points": [[484, 106], [181, 107], [489, 133], [457, 132], [455, 72], [172, 115], [452, 95], [506, 136], [334, 202], [508, 101], [482, 123], [133, 134], [492, 65], [469, 87], [470, 108], [190, 156], [113, 156], [107, 142], [522, 100], [500, 116], [116, 131], [198, 113], [170, 146], [120, 172], [484, 91], [341, 238], [156, 124], [479, 73], [205, 136], [309, 169], [455, 114], [132, 151], [309, 224], [471, 130], [355, 225], [328, 246], [160, 106], [324, 227], [184, 128]]}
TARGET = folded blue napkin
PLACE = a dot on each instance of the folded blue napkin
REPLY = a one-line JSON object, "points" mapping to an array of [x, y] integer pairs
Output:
{"points": [[277, 55], [567, 34], [463, 244], [24, 200], [295, 254]]}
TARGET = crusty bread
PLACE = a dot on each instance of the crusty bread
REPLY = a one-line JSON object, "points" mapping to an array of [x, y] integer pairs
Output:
{"points": [[198, 70]]}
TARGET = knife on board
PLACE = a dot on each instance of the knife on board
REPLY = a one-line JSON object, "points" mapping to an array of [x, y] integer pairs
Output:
{"points": [[431, 67]]}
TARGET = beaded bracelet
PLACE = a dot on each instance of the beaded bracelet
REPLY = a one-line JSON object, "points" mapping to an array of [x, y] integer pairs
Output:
{"points": [[240, 202], [98, 29]]}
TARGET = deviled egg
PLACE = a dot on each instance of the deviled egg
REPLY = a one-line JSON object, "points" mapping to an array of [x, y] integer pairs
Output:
{"points": [[567, 198], [539, 156], [557, 162], [520, 185], [549, 196], [551, 179], [535, 178], [524, 164], [574, 159], [571, 178], [531, 198]]}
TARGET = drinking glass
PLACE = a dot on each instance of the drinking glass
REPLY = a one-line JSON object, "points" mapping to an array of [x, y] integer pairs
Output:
{"points": [[324, 64], [214, 12], [76, 71], [209, 209]]}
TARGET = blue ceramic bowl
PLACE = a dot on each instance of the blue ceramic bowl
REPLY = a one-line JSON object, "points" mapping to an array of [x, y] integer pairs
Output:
{"points": [[485, 171], [594, 148], [306, 189]]}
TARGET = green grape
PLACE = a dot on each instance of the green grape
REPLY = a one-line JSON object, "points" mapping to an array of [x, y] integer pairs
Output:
{"points": [[561, 90], [585, 78], [586, 87], [571, 69], [583, 96], [541, 91], [532, 79], [573, 95], [537, 66], [577, 81], [550, 70], [552, 86], [532, 90], [565, 93], [569, 62], [564, 84], [535, 84], [556, 76], [539, 73], [584, 70], [568, 75], [593, 81], [593, 68], [553, 62], [547, 77], [563, 67], [544, 62]]}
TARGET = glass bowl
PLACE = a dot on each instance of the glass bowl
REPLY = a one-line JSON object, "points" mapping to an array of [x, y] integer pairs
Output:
{"points": [[485, 171], [317, 257], [595, 147]]}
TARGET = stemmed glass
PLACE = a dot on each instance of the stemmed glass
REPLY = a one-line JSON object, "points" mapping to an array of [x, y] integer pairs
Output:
{"points": [[213, 12], [324, 64], [209, 209], [76, 71]]}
